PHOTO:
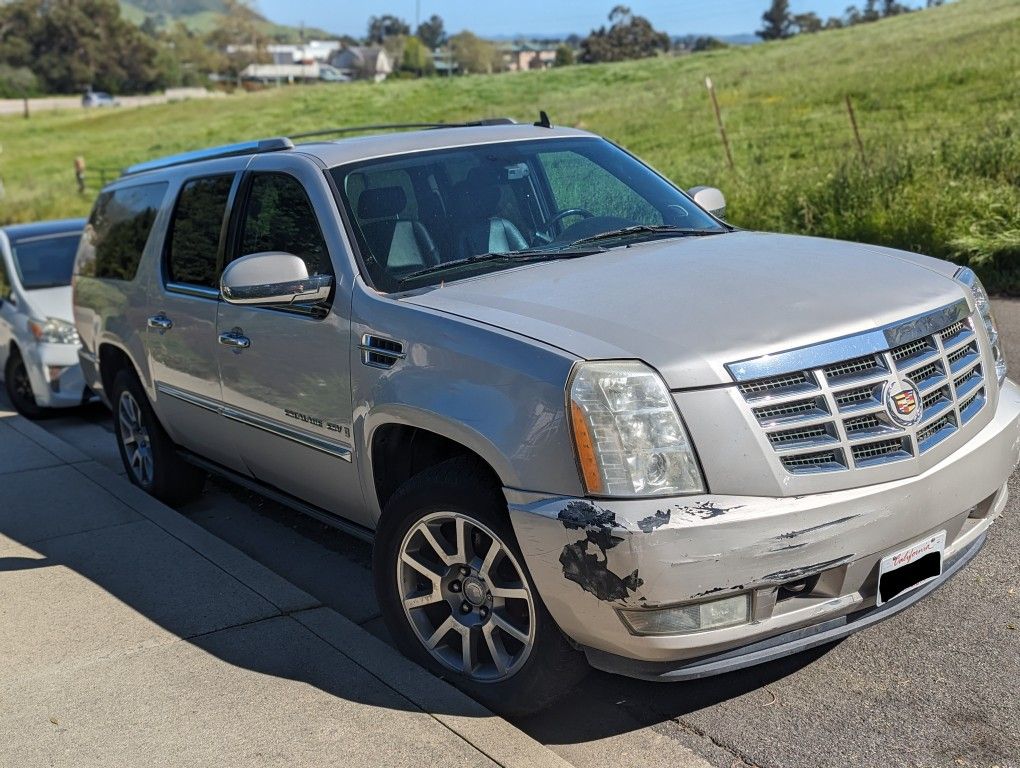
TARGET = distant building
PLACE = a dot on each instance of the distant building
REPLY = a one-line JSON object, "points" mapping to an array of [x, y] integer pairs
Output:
{"points": [[529, 55], [292, 73], [443, 62], [313, 50], [360, 62], [280, 73]]}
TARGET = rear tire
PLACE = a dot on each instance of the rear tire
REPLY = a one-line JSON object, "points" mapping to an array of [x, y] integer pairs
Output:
{"points": [[470, 594], [19, 387], [150, 457]]}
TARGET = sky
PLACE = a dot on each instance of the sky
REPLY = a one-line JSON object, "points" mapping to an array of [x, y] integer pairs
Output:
{"points": [[498, 17]]}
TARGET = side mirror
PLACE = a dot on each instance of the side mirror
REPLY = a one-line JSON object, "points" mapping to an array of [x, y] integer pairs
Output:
{"points": [[711, 199], [272, 279]]}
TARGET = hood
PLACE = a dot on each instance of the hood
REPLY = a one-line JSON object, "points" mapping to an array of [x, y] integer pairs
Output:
{"points": [[688, 306], [49, 302]]}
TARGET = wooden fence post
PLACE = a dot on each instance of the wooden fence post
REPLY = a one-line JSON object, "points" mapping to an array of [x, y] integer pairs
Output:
{"points": [[853, 124], [719, 122]]}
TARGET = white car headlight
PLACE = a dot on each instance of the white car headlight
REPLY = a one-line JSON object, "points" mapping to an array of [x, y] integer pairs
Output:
{"points": [[628, 435], [53, 330], [984, 308]]}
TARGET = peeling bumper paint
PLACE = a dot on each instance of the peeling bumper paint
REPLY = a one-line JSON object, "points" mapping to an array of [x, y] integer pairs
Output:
{"points": [[590, 557]]}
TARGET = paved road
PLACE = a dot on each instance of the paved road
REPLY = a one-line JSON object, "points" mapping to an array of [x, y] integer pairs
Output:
{"points": [[935, 686]]}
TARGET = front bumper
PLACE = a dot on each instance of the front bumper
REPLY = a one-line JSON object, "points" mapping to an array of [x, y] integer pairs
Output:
{"points": [[589, 558], [65, 389]]}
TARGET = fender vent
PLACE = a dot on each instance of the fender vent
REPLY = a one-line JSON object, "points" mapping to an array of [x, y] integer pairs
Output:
{"points": [[379, 352]]}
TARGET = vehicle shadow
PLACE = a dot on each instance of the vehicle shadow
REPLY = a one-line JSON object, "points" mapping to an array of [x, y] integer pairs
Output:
{"points": [[604, 705]]}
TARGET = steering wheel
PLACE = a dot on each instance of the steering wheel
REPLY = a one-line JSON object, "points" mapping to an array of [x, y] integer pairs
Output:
{"points": [[584, 214]]}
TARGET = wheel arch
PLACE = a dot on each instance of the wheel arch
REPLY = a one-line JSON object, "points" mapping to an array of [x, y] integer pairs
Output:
{"points": [[403, 441], [112, 358]]}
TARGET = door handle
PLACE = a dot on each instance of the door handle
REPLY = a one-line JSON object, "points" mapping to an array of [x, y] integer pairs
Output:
{"points": [[235, 339], [160, 322]]}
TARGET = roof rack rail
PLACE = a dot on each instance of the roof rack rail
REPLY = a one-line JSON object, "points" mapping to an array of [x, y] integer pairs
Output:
{"points": [[279, 143], [402, 126], [212, 153]]}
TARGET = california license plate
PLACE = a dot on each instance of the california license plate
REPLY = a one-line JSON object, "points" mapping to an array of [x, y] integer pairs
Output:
{"points": [[910, 567]]}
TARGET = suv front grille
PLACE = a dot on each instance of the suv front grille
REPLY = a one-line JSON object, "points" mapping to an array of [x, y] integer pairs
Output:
{"points": [[833, 417]]}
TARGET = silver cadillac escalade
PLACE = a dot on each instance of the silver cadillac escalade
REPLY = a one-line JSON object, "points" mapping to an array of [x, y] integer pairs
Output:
{"points": [[580, 416]]}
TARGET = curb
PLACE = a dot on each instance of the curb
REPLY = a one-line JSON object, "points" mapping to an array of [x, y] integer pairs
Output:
{"points": [[491, 735]]}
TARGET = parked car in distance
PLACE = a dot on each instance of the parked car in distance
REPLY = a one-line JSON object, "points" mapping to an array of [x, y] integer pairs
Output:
{"points": [[580, 416], [98, 99], [38, 341]]}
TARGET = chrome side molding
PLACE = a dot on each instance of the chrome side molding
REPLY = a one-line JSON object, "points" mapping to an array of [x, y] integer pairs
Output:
{"points": [[339, 450]]}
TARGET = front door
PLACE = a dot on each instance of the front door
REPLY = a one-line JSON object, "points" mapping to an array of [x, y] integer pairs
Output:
{"points": [[285, 372]]}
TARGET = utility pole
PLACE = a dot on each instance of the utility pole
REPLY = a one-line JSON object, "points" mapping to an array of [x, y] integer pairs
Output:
{"points": [[417, 15]]}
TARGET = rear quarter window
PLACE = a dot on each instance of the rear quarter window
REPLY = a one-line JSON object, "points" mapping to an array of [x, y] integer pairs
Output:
{"points": [[117, 231]]}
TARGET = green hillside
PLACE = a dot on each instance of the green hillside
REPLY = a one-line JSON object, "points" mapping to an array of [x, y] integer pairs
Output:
{"points": [[935, 93]]}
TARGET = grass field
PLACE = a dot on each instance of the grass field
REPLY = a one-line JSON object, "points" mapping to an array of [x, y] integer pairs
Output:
{"points": [[936, 95]]}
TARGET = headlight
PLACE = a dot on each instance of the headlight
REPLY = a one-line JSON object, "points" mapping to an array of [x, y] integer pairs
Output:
{"points": [[984, 308], [627, 433], [53, 330]]}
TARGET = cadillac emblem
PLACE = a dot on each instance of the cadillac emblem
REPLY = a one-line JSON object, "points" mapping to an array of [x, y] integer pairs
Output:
{"points": [[903, 402]]}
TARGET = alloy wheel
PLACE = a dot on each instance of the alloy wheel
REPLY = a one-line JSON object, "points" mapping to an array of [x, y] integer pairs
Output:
{"points": [[466, 597], [135, 438]]}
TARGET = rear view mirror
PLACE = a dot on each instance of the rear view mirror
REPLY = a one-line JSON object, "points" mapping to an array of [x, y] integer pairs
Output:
{"points": [[711, 199], [272, 279]]}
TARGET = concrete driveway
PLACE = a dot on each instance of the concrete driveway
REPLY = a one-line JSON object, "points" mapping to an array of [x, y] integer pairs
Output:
{"points": [[935, 686]]}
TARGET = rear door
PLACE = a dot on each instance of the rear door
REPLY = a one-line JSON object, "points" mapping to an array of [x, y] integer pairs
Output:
{"points": [[181, 334], [287, 394]]}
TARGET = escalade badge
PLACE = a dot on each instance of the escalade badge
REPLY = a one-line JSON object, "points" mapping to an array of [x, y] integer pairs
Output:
{"points": [[903, 402]]}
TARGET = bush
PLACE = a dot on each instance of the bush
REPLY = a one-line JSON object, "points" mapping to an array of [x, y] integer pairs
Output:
{"points": [[957, 200]]}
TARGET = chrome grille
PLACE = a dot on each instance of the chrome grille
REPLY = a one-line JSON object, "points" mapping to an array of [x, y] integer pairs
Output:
{"points": [[776, 385], [833, 417]]}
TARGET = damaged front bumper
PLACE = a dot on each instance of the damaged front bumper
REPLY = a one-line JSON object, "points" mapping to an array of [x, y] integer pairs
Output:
{"points": [[592, 558]]}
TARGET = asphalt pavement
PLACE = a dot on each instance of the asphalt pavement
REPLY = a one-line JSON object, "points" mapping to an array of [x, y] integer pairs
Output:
{"points": [[938, 685]]}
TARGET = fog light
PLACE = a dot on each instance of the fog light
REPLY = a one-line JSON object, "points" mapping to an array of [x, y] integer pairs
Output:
{"points": [[715, 614]]}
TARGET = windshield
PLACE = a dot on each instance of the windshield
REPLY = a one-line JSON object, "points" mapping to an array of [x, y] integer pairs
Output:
{"points": [[45, 262], [428, 217]]}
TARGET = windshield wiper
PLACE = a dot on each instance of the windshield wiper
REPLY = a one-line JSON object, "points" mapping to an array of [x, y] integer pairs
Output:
{"points": [[509, 257], [650, 229]]}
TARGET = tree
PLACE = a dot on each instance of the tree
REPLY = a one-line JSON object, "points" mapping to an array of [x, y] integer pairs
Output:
{"points": [[382, 27], [806, 23], [474, 55], [564, 56], [777, 21], [707, 43], [417, 57], [870, 12], [69, 46], [893, 8], [431, 32], [238, 35], [628, 37]]}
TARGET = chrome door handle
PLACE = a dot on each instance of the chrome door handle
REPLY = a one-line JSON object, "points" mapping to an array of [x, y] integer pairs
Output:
{"points": [[235, 339], [160, 322]]}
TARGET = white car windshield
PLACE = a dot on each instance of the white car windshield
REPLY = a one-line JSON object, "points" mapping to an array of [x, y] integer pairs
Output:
{"points": [[45, 262], [434, 216]]}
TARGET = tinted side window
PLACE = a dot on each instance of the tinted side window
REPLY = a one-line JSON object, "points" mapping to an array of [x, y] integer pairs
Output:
{"points": [[194, 244], [118, 231], [279, 217]]}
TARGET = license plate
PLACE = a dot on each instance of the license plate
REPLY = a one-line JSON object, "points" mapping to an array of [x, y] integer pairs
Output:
{"points": [[910, 567]]}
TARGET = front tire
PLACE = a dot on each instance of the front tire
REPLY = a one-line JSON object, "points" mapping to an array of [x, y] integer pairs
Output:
{"points": [[456, 595], [19, 387], [149, 456]]}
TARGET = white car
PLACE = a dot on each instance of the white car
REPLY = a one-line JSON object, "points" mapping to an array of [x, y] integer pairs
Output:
{"points": [[38, 341]]}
